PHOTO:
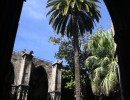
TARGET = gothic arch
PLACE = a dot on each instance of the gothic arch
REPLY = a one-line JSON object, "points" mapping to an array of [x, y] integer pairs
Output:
{"points": [[38, 84], [121, 21], [9, 24]]}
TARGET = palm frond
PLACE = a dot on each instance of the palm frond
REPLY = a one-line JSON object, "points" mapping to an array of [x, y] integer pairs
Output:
{"points": [[82, 10]]}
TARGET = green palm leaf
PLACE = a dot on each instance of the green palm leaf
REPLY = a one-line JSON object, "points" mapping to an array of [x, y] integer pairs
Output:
{"points": [[81, 8]]}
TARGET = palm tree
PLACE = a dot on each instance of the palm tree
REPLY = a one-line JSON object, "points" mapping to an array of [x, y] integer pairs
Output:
{"points": [[71, 17], [102, 63]]}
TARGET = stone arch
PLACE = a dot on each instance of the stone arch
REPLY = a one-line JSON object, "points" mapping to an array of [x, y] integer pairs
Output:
{"points": [[121, 18], [38, 89], [7, 45]]}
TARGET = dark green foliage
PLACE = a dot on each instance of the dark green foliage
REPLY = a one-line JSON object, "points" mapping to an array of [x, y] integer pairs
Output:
{"points": [[66, 53]]}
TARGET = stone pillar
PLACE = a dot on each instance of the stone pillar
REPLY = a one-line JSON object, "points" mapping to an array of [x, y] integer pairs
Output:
{"points": [[20, 90], [55, 93]]}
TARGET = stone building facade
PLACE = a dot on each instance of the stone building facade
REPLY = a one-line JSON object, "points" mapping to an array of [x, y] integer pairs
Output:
{"points": [[34, 78]]}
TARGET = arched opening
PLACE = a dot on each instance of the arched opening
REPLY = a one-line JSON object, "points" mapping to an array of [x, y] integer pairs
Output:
{"points": [[124, 42], [38, 89], [31, 35], [125, 50]]}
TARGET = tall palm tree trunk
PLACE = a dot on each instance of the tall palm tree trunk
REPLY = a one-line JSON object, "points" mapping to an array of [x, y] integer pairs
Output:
{"points": [[73, 18], [77, 67]]}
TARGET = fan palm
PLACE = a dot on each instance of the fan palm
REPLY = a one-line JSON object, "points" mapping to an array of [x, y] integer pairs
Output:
{"points": [[71, 17], [102, 64]]}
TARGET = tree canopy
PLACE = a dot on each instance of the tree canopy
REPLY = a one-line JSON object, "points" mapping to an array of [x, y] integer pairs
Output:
{"points": [[63, 12], [102, 64]]}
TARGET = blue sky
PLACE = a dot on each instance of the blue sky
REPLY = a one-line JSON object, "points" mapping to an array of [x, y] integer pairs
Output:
{"points": [[34, 30]]}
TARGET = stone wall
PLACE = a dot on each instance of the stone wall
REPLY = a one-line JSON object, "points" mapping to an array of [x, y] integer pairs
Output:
{"points": [[50, 68], [37, 62]]}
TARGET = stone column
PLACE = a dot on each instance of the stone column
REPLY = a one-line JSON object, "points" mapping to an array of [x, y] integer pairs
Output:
{"points": [[20, 90], [55, 92]]}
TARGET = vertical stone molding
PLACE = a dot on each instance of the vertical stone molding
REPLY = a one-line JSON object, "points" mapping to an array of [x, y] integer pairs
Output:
{"points": [[55, 93]]}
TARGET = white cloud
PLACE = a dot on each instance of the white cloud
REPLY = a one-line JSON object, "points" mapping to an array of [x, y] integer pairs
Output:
{"points": [[35, 14], [38, 38], [34, 30], [35, 9]]}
